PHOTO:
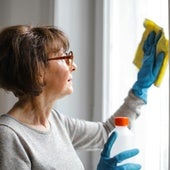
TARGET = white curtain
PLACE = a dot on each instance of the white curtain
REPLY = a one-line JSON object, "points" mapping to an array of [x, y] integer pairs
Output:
{"points": [[124, 31]]}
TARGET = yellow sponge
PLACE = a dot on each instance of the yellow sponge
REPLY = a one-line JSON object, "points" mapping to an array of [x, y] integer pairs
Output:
{"points": [[162, 45]]}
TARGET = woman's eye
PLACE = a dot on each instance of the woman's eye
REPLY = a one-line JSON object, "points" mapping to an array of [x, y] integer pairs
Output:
{"points": [[67, 61], [64, 60]]}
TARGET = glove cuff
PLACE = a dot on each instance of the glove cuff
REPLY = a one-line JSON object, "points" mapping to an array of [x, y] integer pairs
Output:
{"points": [[141, 93]]}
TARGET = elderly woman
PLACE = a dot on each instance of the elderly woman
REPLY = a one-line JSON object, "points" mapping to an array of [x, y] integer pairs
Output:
{"points": [[36, 67]]}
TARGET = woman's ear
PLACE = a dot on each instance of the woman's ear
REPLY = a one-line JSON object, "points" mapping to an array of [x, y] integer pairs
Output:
{"points": [[41, 77]]}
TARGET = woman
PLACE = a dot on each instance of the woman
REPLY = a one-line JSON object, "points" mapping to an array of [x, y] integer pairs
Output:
{"points": [[35, 66]]}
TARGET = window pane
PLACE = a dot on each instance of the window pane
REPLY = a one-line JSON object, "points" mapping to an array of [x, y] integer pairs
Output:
{"points": [[126, 28]]}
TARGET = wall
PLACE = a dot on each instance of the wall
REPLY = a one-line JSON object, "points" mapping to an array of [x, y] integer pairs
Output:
{"points": [[25, 12]]}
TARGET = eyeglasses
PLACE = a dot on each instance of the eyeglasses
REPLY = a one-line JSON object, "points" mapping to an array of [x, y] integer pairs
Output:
{"points": [[68, 57]]}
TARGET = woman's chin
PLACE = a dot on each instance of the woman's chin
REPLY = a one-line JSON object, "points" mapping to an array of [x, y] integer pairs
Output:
{"points": [[70, 91]]}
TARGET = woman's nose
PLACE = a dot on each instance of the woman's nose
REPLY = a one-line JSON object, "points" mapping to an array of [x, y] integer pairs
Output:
{"points": [[74, 67]]}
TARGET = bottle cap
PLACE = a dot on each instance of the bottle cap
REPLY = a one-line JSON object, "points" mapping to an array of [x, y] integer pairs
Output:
{"points": [[121, 121]]}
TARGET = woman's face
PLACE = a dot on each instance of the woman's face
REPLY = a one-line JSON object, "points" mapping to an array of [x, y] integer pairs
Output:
{"points": [[58, 77]]}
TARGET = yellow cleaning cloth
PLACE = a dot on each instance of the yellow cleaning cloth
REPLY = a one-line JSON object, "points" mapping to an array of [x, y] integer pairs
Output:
{"points": [[162, 45]]}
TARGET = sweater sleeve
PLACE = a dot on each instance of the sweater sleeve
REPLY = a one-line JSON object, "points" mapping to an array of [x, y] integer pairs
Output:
{"points": [[12, 154], [84, 135], [131, 108], [88, 135]]}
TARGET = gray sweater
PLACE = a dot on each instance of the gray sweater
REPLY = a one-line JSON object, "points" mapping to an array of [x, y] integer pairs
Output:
{"points": [[24, 148]]}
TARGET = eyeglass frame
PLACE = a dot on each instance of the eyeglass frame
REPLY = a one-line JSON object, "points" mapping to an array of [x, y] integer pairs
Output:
{"points": [[68, 55]]}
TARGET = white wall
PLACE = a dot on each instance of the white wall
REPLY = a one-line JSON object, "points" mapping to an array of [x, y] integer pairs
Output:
{"points": [[26, 12], [77, 19]]}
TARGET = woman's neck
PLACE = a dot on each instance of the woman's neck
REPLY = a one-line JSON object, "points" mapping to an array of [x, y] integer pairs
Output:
{"points": [[32, 111]]}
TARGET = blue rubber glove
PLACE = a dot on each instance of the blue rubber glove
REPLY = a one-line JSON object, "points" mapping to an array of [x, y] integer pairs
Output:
{"points": [[107, 163], [149, 71]]}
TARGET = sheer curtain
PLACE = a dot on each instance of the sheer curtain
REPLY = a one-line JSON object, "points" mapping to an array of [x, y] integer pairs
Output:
{"points": [[123, 31]]}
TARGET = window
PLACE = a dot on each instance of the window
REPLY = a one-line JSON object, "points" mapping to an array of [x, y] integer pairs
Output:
{"points": [[123, 32]]}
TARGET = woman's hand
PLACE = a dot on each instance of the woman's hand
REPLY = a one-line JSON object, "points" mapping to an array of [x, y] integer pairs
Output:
{"points": [[107, 163], [151, 66]]}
